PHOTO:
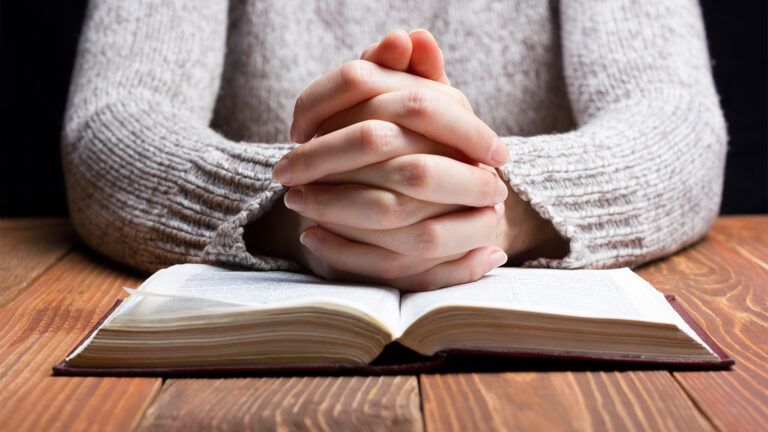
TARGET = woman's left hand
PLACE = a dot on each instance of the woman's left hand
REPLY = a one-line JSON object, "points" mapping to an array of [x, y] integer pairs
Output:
{"points": [[420, 205], [403, 211], [416, 215]]}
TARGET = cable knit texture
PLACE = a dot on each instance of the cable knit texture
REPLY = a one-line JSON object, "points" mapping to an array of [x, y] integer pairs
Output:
{"points": [[179, 109]]}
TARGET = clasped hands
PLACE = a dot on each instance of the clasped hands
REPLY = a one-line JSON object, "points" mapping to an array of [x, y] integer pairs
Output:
{"points": [[394, 182]]}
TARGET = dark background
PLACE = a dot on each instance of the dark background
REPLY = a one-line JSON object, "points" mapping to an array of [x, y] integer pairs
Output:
{"points": [[38, 39]]}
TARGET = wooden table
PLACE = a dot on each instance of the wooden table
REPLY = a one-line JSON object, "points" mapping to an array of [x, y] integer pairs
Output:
{"points": [[52, 290]]}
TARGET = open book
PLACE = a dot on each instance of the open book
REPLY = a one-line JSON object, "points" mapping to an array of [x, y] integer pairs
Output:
{"points": [[197, 316]]}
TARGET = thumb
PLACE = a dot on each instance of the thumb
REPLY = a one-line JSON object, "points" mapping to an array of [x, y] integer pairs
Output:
{"points": [[427, 57], [393, 51]]}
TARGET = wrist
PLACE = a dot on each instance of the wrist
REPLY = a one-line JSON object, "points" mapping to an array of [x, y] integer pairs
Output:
{"points": [[526, 235]]}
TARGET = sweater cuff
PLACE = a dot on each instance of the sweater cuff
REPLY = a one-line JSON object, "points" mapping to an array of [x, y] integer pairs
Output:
{"points": [[637, 182], [529, 174], [249, 167]]}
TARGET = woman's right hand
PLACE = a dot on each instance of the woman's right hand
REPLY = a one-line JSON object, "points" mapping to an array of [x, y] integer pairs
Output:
{"points": [[416, 221], [393, 204]]}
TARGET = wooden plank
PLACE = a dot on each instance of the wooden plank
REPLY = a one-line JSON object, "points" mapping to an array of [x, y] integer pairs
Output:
{"points": [[726, 292], [746, 234], [648, 400], [741, 227], [723, 288], [39, 327], [27, 248], [299, 403]]}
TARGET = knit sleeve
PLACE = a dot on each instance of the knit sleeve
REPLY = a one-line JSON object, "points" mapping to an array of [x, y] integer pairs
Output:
{"points": [[148, 182], [641, 176]]}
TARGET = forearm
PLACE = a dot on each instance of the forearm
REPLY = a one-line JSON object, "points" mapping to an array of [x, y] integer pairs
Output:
{"points": [[642, 175], [150, 190], [642, 181], [149, 183]]}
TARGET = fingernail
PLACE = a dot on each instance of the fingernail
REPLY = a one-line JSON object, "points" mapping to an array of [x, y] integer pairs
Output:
{"points": [[501, 192], [499, 209], [282, 172], [499, 152], [308, 239], [294, 199], [497, 258]]}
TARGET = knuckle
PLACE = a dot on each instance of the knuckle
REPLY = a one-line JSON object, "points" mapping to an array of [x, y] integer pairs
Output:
{"points": [[376, 136], [389, 208], [355, 74], [418, 102], [427, 239], [414, 173]]}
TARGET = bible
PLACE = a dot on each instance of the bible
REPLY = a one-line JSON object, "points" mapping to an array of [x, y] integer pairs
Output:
{"points": [[193, 318]]}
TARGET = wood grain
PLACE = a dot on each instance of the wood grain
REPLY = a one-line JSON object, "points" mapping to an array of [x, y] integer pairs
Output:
{"points": [[301, 403], [39, 327], [648, 400], [747, 234], [726, 292], [723, 283], [27, 248]]}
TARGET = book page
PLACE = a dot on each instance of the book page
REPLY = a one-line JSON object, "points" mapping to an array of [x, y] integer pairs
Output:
{"points": [[616, 294], [155, 304], [214, 287]]}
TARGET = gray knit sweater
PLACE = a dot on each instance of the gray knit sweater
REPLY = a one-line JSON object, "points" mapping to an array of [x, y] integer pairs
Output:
{"points": [[179, 109]]}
